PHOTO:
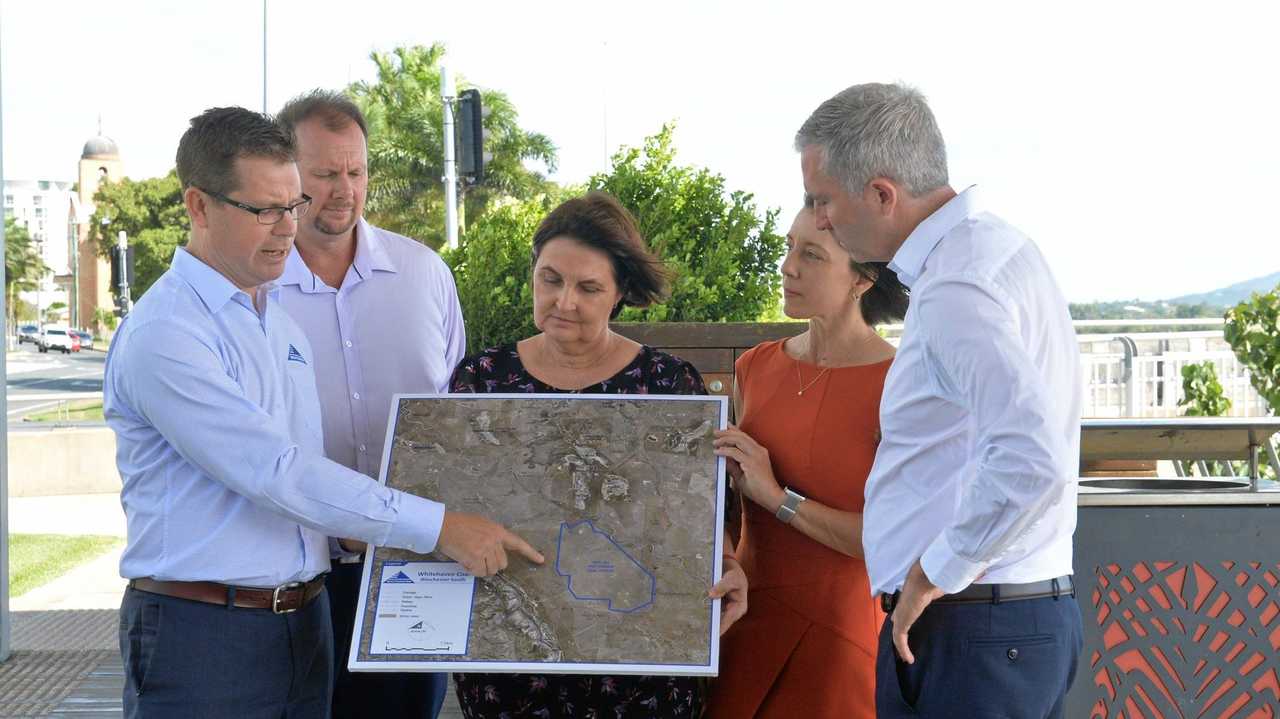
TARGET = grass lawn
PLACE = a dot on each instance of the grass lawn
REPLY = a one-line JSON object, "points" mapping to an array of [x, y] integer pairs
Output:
{"points": [[35, 559], [82, 410]]}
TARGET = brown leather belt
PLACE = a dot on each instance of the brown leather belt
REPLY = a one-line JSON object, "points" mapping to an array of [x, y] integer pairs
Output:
{"points": [[282, 599]]}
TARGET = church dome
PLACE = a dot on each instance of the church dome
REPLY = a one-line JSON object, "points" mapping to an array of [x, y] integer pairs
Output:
{"points": [[100, 148]]}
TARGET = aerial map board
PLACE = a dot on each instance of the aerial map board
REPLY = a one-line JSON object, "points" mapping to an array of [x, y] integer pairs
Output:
{"points": [[623, 494]]}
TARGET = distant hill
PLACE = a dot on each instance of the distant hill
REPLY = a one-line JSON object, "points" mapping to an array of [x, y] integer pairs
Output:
{"points": [[1140, 310], [1230, 296]]}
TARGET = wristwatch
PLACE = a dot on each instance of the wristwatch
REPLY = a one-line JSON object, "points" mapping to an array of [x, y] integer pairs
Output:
{"points": [[790, 506]]}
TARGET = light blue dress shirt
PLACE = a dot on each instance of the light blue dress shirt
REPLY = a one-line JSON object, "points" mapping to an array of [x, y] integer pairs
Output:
{"points": [[394, 325], [218, 443]]}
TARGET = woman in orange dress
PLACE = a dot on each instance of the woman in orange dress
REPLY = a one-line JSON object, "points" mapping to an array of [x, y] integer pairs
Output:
{"points": [[808, 411]]}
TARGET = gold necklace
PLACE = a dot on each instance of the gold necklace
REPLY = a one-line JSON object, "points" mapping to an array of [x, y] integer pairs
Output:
{"points": [[813, 381]]}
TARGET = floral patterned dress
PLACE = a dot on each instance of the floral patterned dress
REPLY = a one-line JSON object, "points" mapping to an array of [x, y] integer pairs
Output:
{"points": [[571, 696]]}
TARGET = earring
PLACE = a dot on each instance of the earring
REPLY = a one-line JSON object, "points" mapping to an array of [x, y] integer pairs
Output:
{"points": [[856, 296]]}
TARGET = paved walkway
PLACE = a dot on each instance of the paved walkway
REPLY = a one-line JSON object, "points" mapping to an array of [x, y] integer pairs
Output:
{"points": [[65, 660]]}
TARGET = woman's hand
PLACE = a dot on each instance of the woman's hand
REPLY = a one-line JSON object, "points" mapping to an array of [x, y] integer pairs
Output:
{"points": [[732, 588], [750, 468]]}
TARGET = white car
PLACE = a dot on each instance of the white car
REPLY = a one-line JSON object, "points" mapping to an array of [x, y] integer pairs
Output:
{"points": [[57, 338]]}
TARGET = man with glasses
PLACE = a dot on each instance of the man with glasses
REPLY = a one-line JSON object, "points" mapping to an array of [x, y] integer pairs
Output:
{"points": [[230, 502], [381, 313]]}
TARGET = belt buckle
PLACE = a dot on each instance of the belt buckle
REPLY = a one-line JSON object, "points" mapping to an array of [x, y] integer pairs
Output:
{"points": [[275, 597]]}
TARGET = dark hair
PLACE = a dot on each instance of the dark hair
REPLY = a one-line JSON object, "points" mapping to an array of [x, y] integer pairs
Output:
{"points": [[335, 110], [886, 300], [599, 221], [218, 137]]}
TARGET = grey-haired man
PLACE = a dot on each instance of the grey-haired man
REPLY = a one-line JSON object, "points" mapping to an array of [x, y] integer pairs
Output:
{"points": [[971, 504]]}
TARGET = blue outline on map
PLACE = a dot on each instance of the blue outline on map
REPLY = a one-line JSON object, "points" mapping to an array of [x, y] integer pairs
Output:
{"points": [[653, 581]]}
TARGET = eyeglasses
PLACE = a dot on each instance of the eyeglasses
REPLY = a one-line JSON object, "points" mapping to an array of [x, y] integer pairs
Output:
{"points": [[266, 215]]}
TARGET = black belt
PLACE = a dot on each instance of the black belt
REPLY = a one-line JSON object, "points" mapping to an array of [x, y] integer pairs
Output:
{"points": [[996, 593]]}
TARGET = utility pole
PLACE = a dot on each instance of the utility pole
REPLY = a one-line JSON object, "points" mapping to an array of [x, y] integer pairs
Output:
{"points": [[4, 452], [447, 94]]}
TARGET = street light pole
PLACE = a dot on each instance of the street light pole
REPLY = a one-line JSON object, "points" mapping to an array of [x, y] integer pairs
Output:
{"points": [[448, 92], [264, 57]]}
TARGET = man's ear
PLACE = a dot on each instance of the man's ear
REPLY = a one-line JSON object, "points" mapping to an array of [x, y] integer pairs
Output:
{"points": [[883, 194], [197, 204]]}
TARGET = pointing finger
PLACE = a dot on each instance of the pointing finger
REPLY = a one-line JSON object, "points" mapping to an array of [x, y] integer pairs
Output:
{"points": [[514, 542]]}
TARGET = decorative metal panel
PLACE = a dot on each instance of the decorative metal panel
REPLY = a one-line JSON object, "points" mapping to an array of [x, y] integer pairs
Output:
{"points": [[1181, 611]]}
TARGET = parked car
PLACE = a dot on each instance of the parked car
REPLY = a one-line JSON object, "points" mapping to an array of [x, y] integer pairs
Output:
{"points": [[86, 339], [29, 333], [58, 338]]}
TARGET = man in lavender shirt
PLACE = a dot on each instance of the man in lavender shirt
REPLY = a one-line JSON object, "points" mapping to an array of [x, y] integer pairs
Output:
{"points": [[382, 315]]}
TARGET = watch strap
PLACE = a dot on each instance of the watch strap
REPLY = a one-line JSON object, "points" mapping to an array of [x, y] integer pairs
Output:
{"points": [[790, 505]]}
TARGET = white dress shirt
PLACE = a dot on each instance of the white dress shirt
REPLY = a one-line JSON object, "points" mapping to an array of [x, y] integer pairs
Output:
{"points": [[214, 407], [394, 325], [976, 472]]}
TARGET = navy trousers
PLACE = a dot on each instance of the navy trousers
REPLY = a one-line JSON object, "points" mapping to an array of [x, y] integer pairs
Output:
{"points": [[363, 694], [1012, 660], [194, 660]]}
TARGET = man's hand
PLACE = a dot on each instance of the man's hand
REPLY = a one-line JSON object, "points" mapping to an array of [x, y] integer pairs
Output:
{"points": [[355, 546], [750, 467], [917, 593], [480, 545], [732, 588]]}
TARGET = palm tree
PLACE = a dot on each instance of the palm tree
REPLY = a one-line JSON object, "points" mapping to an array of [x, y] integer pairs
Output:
{"points": [[406, 147], [23, 266]]}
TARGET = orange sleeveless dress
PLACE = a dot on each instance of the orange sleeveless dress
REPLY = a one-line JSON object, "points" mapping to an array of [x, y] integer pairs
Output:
{"points": [[807, 645]]}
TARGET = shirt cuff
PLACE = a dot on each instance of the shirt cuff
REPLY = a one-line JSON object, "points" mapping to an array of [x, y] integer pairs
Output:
{"points": [[417, 525], [947, 570]]}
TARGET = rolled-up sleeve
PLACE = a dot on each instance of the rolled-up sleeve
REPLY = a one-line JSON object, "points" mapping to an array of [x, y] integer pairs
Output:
{"points": [[179, 384], [977, 357]]}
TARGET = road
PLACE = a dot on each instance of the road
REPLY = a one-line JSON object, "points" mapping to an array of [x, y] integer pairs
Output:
{"points": [[36, 380]]}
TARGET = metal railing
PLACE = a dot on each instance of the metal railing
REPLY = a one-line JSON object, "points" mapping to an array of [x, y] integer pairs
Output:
{"points": [[1130, 383]]}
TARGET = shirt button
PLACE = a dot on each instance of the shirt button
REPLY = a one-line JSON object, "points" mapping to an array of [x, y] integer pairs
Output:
{"points": [[355, 395], [1012, 654], [362, 448], [348, 343]]}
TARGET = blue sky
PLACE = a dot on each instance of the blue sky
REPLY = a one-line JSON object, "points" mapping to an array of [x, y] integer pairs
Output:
{"points": [[1136, 142]]}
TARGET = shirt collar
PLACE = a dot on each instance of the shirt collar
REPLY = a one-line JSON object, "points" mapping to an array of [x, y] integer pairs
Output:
{"points": [[214, 289], [371, 255], [908, 261]]}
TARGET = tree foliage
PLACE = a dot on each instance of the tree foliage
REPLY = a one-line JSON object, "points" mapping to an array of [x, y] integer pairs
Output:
{"points": [[406, 147], [492, 267], [1202, 393], [151, 213], [1253, 331], [724, 253], [23, 265]]}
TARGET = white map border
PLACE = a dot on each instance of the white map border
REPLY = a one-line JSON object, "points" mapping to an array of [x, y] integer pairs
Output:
{"points": [[711, 668]]}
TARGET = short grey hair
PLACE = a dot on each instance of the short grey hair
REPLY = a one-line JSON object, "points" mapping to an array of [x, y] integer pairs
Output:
{"points": [[878, 130]]}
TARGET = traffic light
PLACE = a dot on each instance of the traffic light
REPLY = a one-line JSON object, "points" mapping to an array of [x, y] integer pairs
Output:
{"points": [[471, 156], [115, 267]]}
